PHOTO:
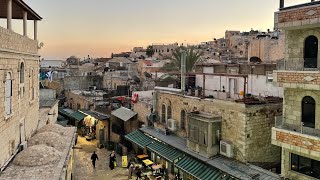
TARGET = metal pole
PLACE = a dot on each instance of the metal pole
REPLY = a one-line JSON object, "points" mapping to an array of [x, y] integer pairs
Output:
{"points": [[183, 71]]}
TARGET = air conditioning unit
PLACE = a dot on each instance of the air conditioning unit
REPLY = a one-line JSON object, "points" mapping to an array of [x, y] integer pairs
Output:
{"points": [[172, 124], [226, 149]]}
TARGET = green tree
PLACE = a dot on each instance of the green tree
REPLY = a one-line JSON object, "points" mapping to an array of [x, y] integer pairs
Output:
{"points": [[150, 51], [192, 58]]}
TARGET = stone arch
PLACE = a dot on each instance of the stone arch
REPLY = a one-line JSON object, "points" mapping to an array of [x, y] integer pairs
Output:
{"points": [[183, 118], [302, 39], [316, 98]]}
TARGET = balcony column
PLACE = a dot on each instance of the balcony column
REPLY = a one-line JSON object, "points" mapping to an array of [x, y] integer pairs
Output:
{"points": [[35, 30], [25, 27], [9, 14]]}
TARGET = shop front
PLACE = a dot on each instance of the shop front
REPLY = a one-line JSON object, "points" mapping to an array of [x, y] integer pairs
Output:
{"points": [[95, 126]]}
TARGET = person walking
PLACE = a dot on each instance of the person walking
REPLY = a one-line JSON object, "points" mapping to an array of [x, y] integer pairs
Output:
{"points": [[139, 174], [130, 168], [112, 160], [94, 157]]}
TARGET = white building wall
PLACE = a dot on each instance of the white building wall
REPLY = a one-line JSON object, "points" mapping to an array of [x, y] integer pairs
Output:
{"points": [[257, 84]]}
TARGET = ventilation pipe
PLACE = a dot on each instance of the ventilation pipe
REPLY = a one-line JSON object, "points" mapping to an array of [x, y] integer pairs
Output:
{"points": [[281, 4], [183, 71]]}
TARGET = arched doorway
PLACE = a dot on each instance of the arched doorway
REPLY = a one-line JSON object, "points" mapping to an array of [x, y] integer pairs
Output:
{"points": [[308, 111], [311, 52]]}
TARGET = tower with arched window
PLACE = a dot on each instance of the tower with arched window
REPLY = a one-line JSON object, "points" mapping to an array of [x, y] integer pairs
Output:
{"points": [[297, 132]]}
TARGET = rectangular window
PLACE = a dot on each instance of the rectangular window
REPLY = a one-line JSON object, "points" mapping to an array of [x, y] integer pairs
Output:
{"points": [[304, 165], [269, 76]]}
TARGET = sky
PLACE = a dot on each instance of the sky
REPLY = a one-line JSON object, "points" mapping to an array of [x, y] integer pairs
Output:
{"points": [[100, 27]]}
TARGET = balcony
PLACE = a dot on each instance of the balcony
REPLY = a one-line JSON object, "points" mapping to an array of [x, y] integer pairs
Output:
{"points": [[298, 16], [296, 138], [293, 74]]}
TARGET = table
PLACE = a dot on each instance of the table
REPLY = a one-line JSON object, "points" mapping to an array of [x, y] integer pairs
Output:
{"points": [[147, 162], [142, 156], [156, 167]]}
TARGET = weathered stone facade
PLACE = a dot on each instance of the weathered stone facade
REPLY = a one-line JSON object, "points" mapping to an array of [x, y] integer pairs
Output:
{"points": [[292, 106], [298, 132], [247, 127], [23, 119], [297, 16]]}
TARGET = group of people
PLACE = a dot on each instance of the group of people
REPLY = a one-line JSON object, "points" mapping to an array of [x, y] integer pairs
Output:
{"points": [[112, 160], [138, 170], [113, 163]]}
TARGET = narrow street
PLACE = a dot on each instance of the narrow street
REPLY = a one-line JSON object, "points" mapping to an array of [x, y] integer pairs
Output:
{"points": [[83, 169]]}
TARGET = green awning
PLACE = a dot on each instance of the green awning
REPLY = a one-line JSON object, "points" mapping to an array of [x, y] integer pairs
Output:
{"points": [[63, 123], [61, 118], [167, 152], [63, 112], [198, 169], [139, 138], [79, 116]]}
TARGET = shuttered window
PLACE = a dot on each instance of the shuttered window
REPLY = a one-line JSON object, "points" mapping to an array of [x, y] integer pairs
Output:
{"points": [[8, 94]]}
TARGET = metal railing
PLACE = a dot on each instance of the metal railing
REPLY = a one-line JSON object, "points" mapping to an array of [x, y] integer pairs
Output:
{"points": [[280, 123], [297, 65]]}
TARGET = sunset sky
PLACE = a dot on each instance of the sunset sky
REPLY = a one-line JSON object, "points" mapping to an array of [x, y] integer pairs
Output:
{"points": [[100, 27]]}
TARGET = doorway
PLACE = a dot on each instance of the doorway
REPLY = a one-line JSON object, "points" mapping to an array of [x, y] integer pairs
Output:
{"points": [[311, 52], [232, 87], [308, 112]]}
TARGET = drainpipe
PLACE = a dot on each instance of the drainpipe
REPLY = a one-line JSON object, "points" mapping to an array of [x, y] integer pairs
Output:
{"points": [[183, 71], [281, 4]]}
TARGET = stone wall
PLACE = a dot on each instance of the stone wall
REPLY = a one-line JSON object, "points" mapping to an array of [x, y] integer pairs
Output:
{"points": [[247, 127], [292, 109], [268, 50], [299, 77], [143, 109], [12, 41], [82, 82], [45, 118], [303, 14], [23, 121], [73, 100]]}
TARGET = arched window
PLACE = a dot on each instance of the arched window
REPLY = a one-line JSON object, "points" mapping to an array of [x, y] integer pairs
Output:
{"points": [[183, 119], [311, 52], [163, 113], [308, 111], [169, 113], [8, 94], [22, 72]]}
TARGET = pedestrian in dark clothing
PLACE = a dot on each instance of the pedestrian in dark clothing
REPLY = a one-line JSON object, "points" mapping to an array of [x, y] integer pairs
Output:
{"points": [[94, 157], [139, 174], [112, 160]]}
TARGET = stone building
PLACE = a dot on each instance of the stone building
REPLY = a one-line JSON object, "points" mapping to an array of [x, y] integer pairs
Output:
{"points": [[269, 48], [297, 132], [19, 87], [164, 51], [246, 126], [48, 107], [200, 127]]}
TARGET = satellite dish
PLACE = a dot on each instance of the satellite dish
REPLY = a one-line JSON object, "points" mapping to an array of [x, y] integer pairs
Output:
{"points": [[147, 75], [136, 79]]}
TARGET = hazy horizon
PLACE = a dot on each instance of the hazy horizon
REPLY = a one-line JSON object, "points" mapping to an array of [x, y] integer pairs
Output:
{"points": [[95, 28]]}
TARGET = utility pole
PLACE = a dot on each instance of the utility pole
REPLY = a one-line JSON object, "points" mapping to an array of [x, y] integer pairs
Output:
{"points": [[183, 71]]}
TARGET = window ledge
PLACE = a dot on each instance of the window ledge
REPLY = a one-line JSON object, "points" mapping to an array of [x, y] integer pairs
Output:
{"points": [[7, 117]]}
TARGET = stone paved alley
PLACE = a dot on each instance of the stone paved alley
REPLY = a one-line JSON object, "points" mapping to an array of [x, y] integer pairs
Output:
{"points": [[83, 169]]}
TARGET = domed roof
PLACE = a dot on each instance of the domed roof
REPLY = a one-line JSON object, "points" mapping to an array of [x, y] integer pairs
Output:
{"points": [[37, 155], [56, 128], [50, 139]]}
